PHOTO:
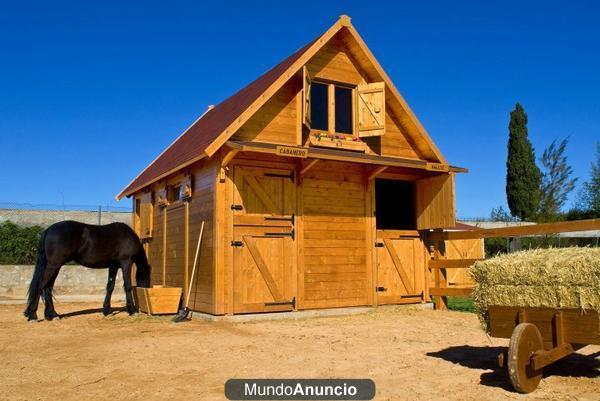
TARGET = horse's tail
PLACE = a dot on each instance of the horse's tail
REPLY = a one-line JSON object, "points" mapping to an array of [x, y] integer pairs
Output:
{"points": [[142, 273], [40, 268]]}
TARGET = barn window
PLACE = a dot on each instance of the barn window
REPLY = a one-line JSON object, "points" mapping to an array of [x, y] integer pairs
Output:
{"points": [[331, 108], [394, 205]]}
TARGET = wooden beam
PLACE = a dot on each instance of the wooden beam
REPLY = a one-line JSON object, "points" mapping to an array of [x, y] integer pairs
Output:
{"points": [[451, 263], [377, 171], [450, 292], [308, 166], [228, 157], [534, 229]]}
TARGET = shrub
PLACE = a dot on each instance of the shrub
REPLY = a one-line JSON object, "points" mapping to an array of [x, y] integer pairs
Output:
{"points": [[18, 245]]}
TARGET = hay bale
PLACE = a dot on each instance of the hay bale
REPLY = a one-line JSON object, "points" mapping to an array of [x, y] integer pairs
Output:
{"points": [[551, 278]]}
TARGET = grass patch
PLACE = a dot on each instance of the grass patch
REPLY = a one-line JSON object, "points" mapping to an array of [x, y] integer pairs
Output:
{"points": [[461, 304]]}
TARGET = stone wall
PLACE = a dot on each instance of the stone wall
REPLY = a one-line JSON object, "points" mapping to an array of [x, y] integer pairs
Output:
{"points": [[45, 218], [72, 280]]}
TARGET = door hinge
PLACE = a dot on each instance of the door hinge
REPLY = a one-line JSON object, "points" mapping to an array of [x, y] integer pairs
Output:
{"points": [[292, 302], [290, 219], [291, 234], [237, 207], [420, 295], [290, 175], [380, 289], [379, 245], [237, 243]]}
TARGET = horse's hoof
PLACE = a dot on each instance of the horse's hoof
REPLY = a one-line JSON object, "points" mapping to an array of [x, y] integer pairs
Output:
{"points": [[50, 318], [32, 319], [106, 312]]}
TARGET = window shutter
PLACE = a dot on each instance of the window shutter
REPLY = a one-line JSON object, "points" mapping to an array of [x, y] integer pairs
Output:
{"points": [[146, 211], [434, 199], [306, 79], [371, 109]]}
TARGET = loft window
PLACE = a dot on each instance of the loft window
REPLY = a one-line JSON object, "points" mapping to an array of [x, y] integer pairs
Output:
{"points": [[175, 193], [331, 108]]}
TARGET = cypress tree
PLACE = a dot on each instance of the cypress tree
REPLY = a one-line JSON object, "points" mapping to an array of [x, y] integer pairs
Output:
{"points": [[523, 177]]}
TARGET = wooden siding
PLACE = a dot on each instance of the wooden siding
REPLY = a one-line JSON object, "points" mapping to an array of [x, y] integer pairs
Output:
{"points": [[171, 249], [335, 268], [276, 121]]}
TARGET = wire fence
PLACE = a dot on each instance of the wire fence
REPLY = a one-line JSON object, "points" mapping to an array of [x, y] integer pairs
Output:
{"points": [[38, 214]]}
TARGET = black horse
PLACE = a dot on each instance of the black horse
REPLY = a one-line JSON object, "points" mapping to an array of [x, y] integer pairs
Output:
{"points": [[111, 246]]}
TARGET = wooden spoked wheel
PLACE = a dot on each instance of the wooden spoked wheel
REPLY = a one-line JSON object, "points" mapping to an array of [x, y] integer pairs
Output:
{"points": [[525, 340]]}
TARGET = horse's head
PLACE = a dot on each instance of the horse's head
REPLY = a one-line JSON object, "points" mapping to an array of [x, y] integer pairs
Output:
{"points": [[142, 277]]}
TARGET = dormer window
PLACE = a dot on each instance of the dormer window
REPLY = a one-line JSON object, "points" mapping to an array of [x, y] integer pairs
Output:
{"points": [[342, 112]]}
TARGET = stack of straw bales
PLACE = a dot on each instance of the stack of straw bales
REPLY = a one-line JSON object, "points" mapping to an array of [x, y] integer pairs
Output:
{"points": [[552, 278]]}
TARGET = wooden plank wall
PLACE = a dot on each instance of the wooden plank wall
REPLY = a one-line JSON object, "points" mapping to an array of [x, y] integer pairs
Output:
{"points": [[169, 262], [275, 122], [202, 208], [336, 272]]}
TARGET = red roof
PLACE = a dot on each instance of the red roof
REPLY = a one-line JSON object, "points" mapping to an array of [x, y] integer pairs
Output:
{"points": [[193, 143]]}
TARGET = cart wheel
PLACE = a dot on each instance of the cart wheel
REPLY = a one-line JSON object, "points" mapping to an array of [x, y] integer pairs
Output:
{"points": [[525, 340]]}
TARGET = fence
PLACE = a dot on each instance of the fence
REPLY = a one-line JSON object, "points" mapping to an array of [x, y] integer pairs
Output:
{"points": [[439, 265], [29, 214]]}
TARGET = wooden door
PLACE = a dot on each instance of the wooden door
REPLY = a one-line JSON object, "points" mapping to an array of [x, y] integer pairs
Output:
{"points": [[400, 269], [264, 240]]}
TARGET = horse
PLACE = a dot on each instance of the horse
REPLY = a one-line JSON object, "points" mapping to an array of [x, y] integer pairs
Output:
{"points": [[114, 246]]}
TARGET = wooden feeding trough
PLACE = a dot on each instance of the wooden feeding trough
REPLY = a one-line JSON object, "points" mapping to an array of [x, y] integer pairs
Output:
{"points": [[158, 300], [539, 337]]}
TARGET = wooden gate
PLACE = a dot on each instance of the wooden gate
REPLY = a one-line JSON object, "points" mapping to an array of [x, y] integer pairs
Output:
{"points": [[264, 276], [463, 249], [400, 267]]}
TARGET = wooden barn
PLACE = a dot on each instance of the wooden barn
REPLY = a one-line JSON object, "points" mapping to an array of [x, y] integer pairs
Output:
{"points": [[317, 183]]}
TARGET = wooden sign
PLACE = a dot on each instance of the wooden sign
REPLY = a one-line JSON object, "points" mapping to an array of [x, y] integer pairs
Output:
{"points": [[444, 168], [291, 151]]}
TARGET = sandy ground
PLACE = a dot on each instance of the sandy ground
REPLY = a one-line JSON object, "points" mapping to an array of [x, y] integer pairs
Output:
{"points": [[410, 354]]}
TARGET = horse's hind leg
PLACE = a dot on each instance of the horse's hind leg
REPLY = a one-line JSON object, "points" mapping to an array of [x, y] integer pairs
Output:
{"points": [[126, 269], [35, 293], [110, 286], [49, 311]]}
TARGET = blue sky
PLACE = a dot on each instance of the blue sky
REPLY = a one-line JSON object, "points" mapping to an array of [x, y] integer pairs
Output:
{"points": [[91, 92]]}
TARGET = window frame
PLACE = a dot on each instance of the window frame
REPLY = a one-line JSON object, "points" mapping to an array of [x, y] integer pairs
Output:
{"points": [[331, 86]]}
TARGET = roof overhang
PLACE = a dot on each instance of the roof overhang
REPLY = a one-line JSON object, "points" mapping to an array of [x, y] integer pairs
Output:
{"points": [[348, 156]]}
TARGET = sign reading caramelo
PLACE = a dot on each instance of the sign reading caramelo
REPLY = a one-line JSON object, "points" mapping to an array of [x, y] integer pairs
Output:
{"points": [[292, 151], [300, 389]]}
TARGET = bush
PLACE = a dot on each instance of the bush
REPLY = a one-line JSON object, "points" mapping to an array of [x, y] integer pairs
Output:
{"points": [[18, 245]]}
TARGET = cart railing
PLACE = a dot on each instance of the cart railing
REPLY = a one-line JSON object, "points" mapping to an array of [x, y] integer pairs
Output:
{"points": [[438, 264]]}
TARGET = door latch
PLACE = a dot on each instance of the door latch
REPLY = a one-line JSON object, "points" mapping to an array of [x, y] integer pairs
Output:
{"points": [[237, 243], [237, 207], [291, 234], [379, 245], [290, 219], [380, 289]]}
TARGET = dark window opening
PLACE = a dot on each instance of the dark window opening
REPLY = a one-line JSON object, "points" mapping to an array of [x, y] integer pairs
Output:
{"points": [[343, 110], [394, 205], [176, 193], [319, 106]]}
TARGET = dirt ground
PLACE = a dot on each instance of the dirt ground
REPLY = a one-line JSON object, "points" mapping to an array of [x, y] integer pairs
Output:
{"points": [[410, 354]]}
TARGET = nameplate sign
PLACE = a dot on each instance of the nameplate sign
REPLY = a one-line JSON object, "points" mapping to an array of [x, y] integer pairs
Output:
{"points": [[437, 167], [291, 151]]}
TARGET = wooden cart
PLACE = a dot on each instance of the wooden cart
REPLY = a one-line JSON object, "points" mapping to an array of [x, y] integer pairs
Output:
{"points": [[539, 337]]}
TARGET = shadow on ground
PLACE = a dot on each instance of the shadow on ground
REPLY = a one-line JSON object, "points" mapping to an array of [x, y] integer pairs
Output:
{"points": [[91, 311], [486, 358]]}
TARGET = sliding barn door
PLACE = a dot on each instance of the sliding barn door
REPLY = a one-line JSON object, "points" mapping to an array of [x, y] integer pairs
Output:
{"points": [[264, 240], [400, 268]]}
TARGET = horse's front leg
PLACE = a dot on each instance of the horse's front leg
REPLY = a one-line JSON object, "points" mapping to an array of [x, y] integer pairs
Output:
{"points": [[110, 286], [49, 311], [126, 269]]}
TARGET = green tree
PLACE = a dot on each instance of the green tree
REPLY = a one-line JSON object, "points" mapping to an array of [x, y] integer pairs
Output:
{"points": [[523, 177], [589, 194], [557, 181]]}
